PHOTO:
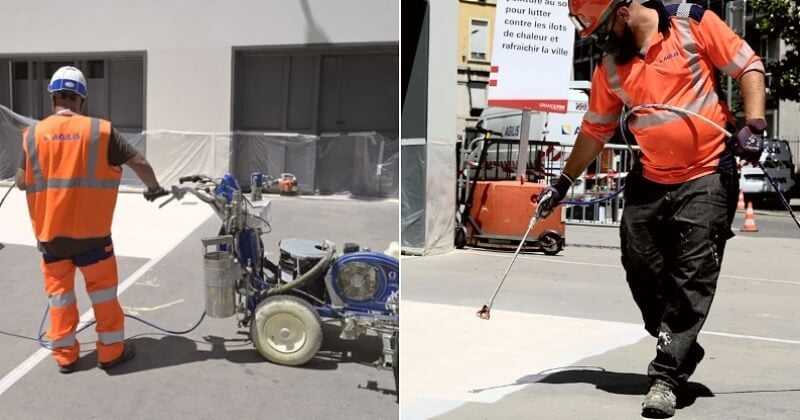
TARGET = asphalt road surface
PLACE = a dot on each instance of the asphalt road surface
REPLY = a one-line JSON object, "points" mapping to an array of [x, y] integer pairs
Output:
{"points": [[565, 340], [211, 373]]}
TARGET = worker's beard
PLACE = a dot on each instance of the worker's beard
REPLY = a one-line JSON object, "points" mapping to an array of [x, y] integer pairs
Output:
{"points": [[623, 48]]}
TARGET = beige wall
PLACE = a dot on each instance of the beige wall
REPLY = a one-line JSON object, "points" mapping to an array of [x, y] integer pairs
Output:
{"points": [[468, 10], [188, 43]]}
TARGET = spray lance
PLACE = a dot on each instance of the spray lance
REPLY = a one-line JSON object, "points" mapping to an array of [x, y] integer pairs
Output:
{"points": [[485, 312]]}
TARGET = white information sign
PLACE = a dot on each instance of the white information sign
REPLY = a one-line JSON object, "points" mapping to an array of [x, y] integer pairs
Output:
{"points": [[531, 55]]}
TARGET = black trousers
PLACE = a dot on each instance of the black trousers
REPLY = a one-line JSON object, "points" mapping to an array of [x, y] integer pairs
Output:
{"points": [[672, 239]]}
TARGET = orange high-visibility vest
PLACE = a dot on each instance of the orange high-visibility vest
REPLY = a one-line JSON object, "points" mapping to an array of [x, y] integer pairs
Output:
{"points": [[71, 188], [677, 69]]}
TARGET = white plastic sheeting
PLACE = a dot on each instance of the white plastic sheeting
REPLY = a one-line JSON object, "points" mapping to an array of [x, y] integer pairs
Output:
{"points": [[362, 164], [428, 202], [429, 136], [174, 154], [412, 201], [11, 125], [139, 142], [273, 154], [440, 196]]}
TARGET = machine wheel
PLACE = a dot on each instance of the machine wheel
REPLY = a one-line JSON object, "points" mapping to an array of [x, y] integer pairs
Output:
{"points": [[551, 243], [286, 330], [461, 237], [396, 362]]}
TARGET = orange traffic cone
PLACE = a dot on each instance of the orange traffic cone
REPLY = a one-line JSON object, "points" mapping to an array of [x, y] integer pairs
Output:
{"points": [[740, 204], [749, 220]]}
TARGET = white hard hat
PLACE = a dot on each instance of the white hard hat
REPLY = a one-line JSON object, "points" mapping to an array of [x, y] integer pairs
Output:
{"points": [[68, 78]]}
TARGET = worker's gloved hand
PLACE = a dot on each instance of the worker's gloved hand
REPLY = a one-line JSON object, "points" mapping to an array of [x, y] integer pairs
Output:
{"points": [[152, 194], [552, 195], [749, 141]]}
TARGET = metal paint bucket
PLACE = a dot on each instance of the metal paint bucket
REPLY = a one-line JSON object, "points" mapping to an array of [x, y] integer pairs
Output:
{"points": [[220, 272]]}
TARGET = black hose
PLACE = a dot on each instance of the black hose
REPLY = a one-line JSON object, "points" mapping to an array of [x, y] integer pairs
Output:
{"points": [[6, 195], [308, 275]]}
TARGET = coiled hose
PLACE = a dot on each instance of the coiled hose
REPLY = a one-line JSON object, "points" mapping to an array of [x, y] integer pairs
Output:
{"points": [[626, 115]]}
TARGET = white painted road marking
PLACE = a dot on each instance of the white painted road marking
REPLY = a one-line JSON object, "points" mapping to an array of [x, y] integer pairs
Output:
{"points": [[444, 362], [23, 368], [136, 310], [138, 229]]}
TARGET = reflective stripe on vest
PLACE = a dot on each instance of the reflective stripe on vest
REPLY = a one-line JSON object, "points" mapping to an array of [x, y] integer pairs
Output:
{"points": [[87, 182], [740, 61], [613, 80], [693, 62], [661, 116], [689, 47], [72, 188], [596, 118]]}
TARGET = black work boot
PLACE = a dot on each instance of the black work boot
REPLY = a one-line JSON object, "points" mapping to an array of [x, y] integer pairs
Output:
{"points": [[659, 403], [68, 368], [128, 353]]}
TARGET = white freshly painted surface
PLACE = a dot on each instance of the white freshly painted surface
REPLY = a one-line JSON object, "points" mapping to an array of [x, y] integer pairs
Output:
{"points": [[140, 228], [448, 352]]}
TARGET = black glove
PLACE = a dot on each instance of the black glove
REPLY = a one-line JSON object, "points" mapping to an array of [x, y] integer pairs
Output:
{"points": [[552, 195], [749, 141], [152, 194]]}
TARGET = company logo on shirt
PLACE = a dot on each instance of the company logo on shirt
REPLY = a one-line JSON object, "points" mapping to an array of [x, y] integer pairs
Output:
{"points": [[63, 136], [668, 57]]}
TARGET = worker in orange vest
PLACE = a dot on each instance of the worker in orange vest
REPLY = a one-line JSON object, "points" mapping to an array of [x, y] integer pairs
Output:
{"points": [[681, 196], [70, 169]]}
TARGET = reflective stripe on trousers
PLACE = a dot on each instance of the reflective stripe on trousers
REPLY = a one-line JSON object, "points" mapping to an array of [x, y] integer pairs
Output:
{"points": [[99, 269]]}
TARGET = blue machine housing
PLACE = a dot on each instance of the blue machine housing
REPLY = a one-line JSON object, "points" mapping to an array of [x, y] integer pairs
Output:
{"points": [[228, 185], [250, 249], [388, 279]]}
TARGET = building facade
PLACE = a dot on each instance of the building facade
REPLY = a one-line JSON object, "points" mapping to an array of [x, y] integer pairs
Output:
{"points": [[475, 35], [311, 67], [476, 27]]}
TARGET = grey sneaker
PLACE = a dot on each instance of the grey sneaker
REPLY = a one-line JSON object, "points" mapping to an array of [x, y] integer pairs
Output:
{"points": [[659, 403]]}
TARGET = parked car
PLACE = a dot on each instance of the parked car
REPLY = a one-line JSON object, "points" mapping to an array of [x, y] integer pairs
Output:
{"points": [[778, 162]]}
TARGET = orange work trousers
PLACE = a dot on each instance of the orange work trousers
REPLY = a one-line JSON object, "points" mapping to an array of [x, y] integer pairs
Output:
{"points": [[99, 269]]}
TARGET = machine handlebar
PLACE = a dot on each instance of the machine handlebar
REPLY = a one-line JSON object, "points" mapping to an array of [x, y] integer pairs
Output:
{"points": [[179, 192]]}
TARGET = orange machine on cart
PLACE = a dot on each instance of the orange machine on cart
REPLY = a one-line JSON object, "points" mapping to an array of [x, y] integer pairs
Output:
{"points": [[494, 208]]}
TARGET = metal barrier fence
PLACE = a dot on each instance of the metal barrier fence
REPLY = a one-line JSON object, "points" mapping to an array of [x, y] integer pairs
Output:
{"points": [[596, 197]]}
